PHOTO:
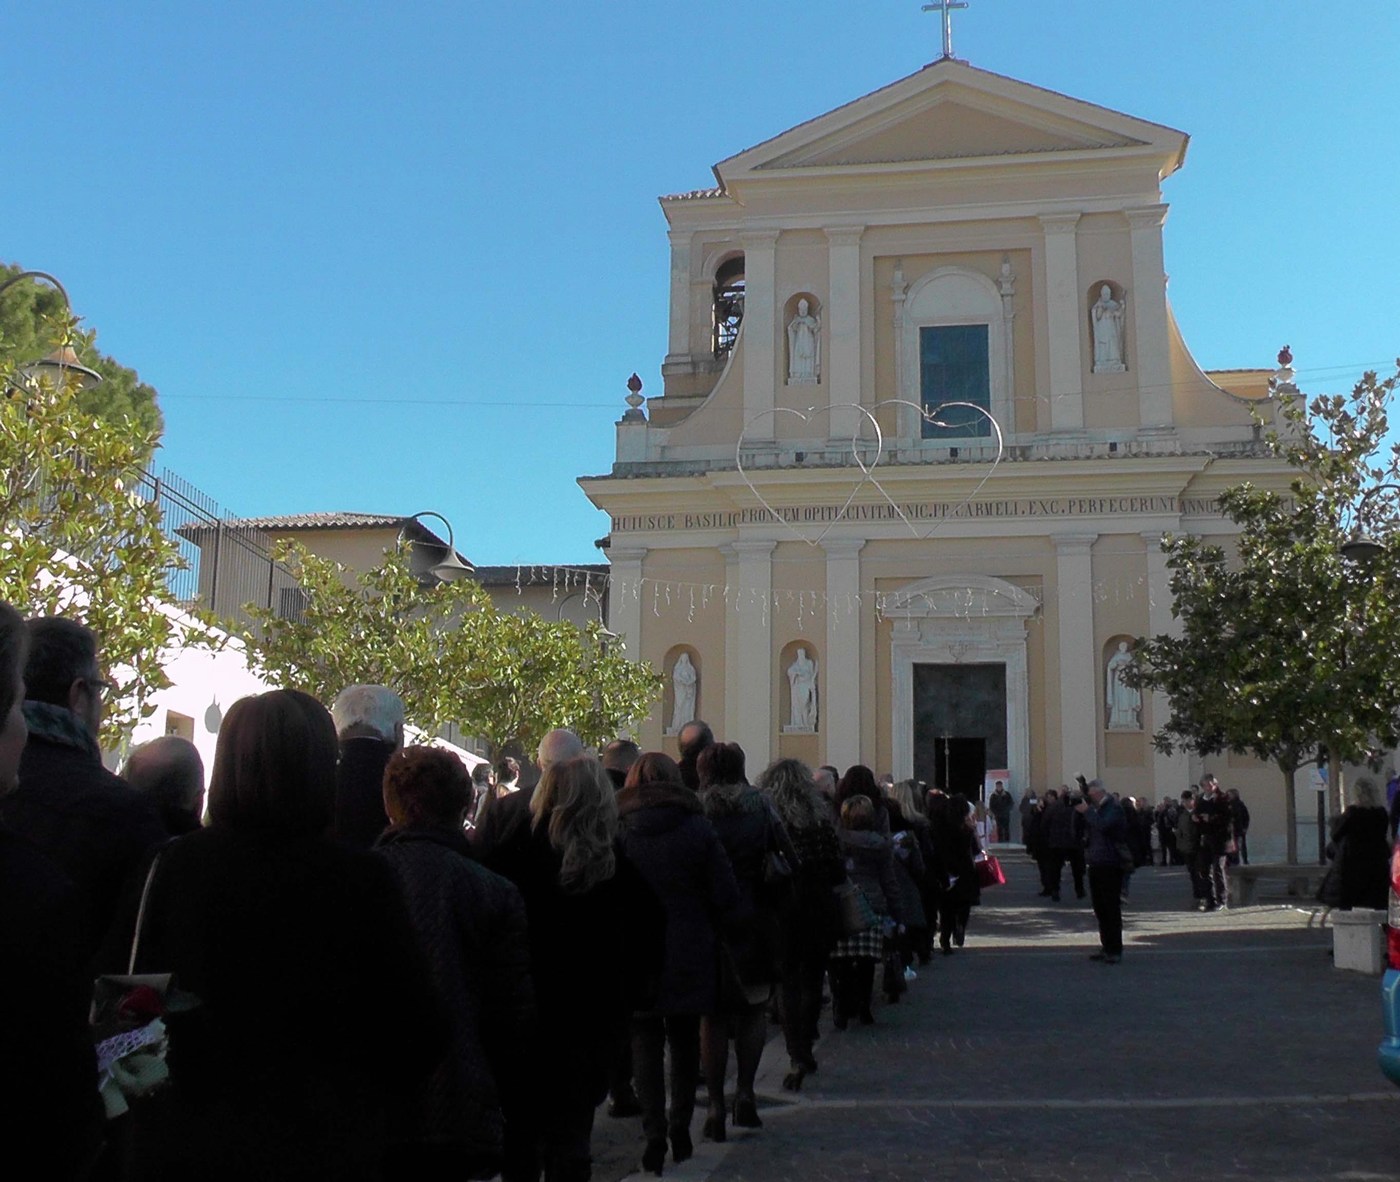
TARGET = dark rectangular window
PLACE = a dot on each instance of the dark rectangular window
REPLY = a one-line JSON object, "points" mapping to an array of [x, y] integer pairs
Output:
{"points": [[954, 366]]}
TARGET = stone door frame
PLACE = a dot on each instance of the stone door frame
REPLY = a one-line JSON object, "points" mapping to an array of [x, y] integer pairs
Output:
{"points": [[956, 620]]}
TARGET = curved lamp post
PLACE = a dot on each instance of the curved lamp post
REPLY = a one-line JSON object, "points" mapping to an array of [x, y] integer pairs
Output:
{"points": [[432, 562], [1361, 547], [63, 360]]}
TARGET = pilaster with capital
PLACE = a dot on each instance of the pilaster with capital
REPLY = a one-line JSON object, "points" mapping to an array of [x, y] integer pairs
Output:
{"points": [[748, 649], [760, 329], [1062, 321], [1148, 304], [843, 327], [625, 597], [841, 714], [1079, 689], [682, 268], [1170, 773]]}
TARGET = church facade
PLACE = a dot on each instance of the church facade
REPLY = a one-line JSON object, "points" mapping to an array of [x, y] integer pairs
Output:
{"points": [[926, 417]]}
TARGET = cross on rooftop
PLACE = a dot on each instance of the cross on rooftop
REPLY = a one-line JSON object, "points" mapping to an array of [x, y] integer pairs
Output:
{"points": [[946, 8]]}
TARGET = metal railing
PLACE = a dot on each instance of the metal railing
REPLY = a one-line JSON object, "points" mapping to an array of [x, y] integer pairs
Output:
{"points": [[228, 563]]}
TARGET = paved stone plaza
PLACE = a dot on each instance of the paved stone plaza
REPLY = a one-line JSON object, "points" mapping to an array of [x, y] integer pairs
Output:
{"points": [[1225, 1046]]}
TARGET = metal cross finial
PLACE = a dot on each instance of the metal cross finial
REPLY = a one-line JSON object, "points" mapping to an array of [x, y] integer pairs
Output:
{"points": [[946, 8]]}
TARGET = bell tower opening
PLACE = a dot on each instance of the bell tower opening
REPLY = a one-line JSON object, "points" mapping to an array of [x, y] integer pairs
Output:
{"points": [[728, 305]]}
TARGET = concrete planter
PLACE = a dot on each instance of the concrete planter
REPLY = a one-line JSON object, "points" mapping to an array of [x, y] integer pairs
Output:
{"points": [[1358, 940]]}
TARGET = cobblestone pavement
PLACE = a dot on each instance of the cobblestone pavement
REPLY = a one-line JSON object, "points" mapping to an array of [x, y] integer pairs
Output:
{"points": [[1224, 1046]]}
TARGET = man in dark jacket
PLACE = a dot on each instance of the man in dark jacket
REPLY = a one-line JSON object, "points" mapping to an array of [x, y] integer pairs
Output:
{"points": [[694, 738], [1214, 826], [84, 818], [1239, 818], [1000, 805], [1063, 835], [169, 773], [1106, 856], [369, 725]]}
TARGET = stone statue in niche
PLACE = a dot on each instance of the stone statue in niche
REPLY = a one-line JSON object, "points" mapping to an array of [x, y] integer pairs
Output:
{"points": [[1124, 700], [802, 680], [684, 678], [804, 347], [1107, 319]]}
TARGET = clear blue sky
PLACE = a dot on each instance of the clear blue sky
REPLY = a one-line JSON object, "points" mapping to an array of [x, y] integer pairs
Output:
{"points": [[404, 256]]}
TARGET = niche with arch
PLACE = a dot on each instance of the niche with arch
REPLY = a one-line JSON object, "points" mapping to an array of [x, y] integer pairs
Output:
{"points": [[1108, 326], [802, 340], [727, 305], [680, 699], [799, 696], [1122, 702]]}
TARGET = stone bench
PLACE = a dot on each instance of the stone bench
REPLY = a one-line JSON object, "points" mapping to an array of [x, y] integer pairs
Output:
{"points": [[1296, 881]]}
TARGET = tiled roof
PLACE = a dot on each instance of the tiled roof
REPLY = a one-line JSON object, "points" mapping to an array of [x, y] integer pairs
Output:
{"points": [[325, 521], [693, 195]]}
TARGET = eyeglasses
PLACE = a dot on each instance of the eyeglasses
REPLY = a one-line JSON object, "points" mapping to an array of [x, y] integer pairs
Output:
{"points": [[103, 687]]}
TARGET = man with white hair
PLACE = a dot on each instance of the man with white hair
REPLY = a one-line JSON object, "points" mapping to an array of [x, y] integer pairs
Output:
{"points": [[369, 724], [506, 814]]}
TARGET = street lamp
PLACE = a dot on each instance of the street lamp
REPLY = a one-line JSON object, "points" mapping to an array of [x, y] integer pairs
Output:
{"points": [[63, 361], [1361, 547], [430, 561]]}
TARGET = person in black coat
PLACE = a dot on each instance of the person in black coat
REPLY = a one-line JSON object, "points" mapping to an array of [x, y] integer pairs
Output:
{"points": [[369, 725], [955, 842], [808, 931], [666, 835], [317, 1014], [52, 1115], [88, 821], [597, 940], [1359, 875], [749, 830], [470, 924]]}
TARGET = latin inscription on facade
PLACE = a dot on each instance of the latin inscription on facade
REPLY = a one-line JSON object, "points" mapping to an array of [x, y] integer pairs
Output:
{"points": [[1038, 507]]}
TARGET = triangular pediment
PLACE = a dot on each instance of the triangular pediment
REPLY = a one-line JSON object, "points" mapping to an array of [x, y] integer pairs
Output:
{"points": [[947, 129], [950, 111]]}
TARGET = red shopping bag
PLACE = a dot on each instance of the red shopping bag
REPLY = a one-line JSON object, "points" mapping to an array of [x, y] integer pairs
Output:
{"points": [[989, 872]]}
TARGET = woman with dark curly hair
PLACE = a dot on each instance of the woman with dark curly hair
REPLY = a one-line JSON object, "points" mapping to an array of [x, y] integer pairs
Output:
{"points": [[808, 931], [749, 830], [664, 831]]}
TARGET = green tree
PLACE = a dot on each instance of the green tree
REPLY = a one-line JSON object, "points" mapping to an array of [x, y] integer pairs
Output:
{"points": [[1285, 646], [78, 538], [34, 321], [449, 653]]}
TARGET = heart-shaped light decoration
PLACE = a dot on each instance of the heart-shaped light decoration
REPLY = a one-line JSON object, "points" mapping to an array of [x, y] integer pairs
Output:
{"points": [[807, 416]]}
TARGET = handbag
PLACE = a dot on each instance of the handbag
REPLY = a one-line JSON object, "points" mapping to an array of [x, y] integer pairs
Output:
{"points": [[126, 1017], [853, 910], [989, 871]]}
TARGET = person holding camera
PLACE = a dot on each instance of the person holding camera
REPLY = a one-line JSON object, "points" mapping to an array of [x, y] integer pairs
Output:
{"points": [[1106, 855]]}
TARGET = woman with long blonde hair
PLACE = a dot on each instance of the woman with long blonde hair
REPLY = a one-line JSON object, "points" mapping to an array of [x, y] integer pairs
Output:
{"points": [[596, 935]]}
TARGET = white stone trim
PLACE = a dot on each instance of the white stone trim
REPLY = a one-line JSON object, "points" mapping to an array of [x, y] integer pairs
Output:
{"points": [[961, 619]]}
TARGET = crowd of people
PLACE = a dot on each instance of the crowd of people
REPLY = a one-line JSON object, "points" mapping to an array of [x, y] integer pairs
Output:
{"points": [[1206, 832], [371, 963]]}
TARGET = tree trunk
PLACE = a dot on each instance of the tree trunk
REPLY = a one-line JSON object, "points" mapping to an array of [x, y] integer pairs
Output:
{"points": [[1290, 813], [1336, 787]]}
